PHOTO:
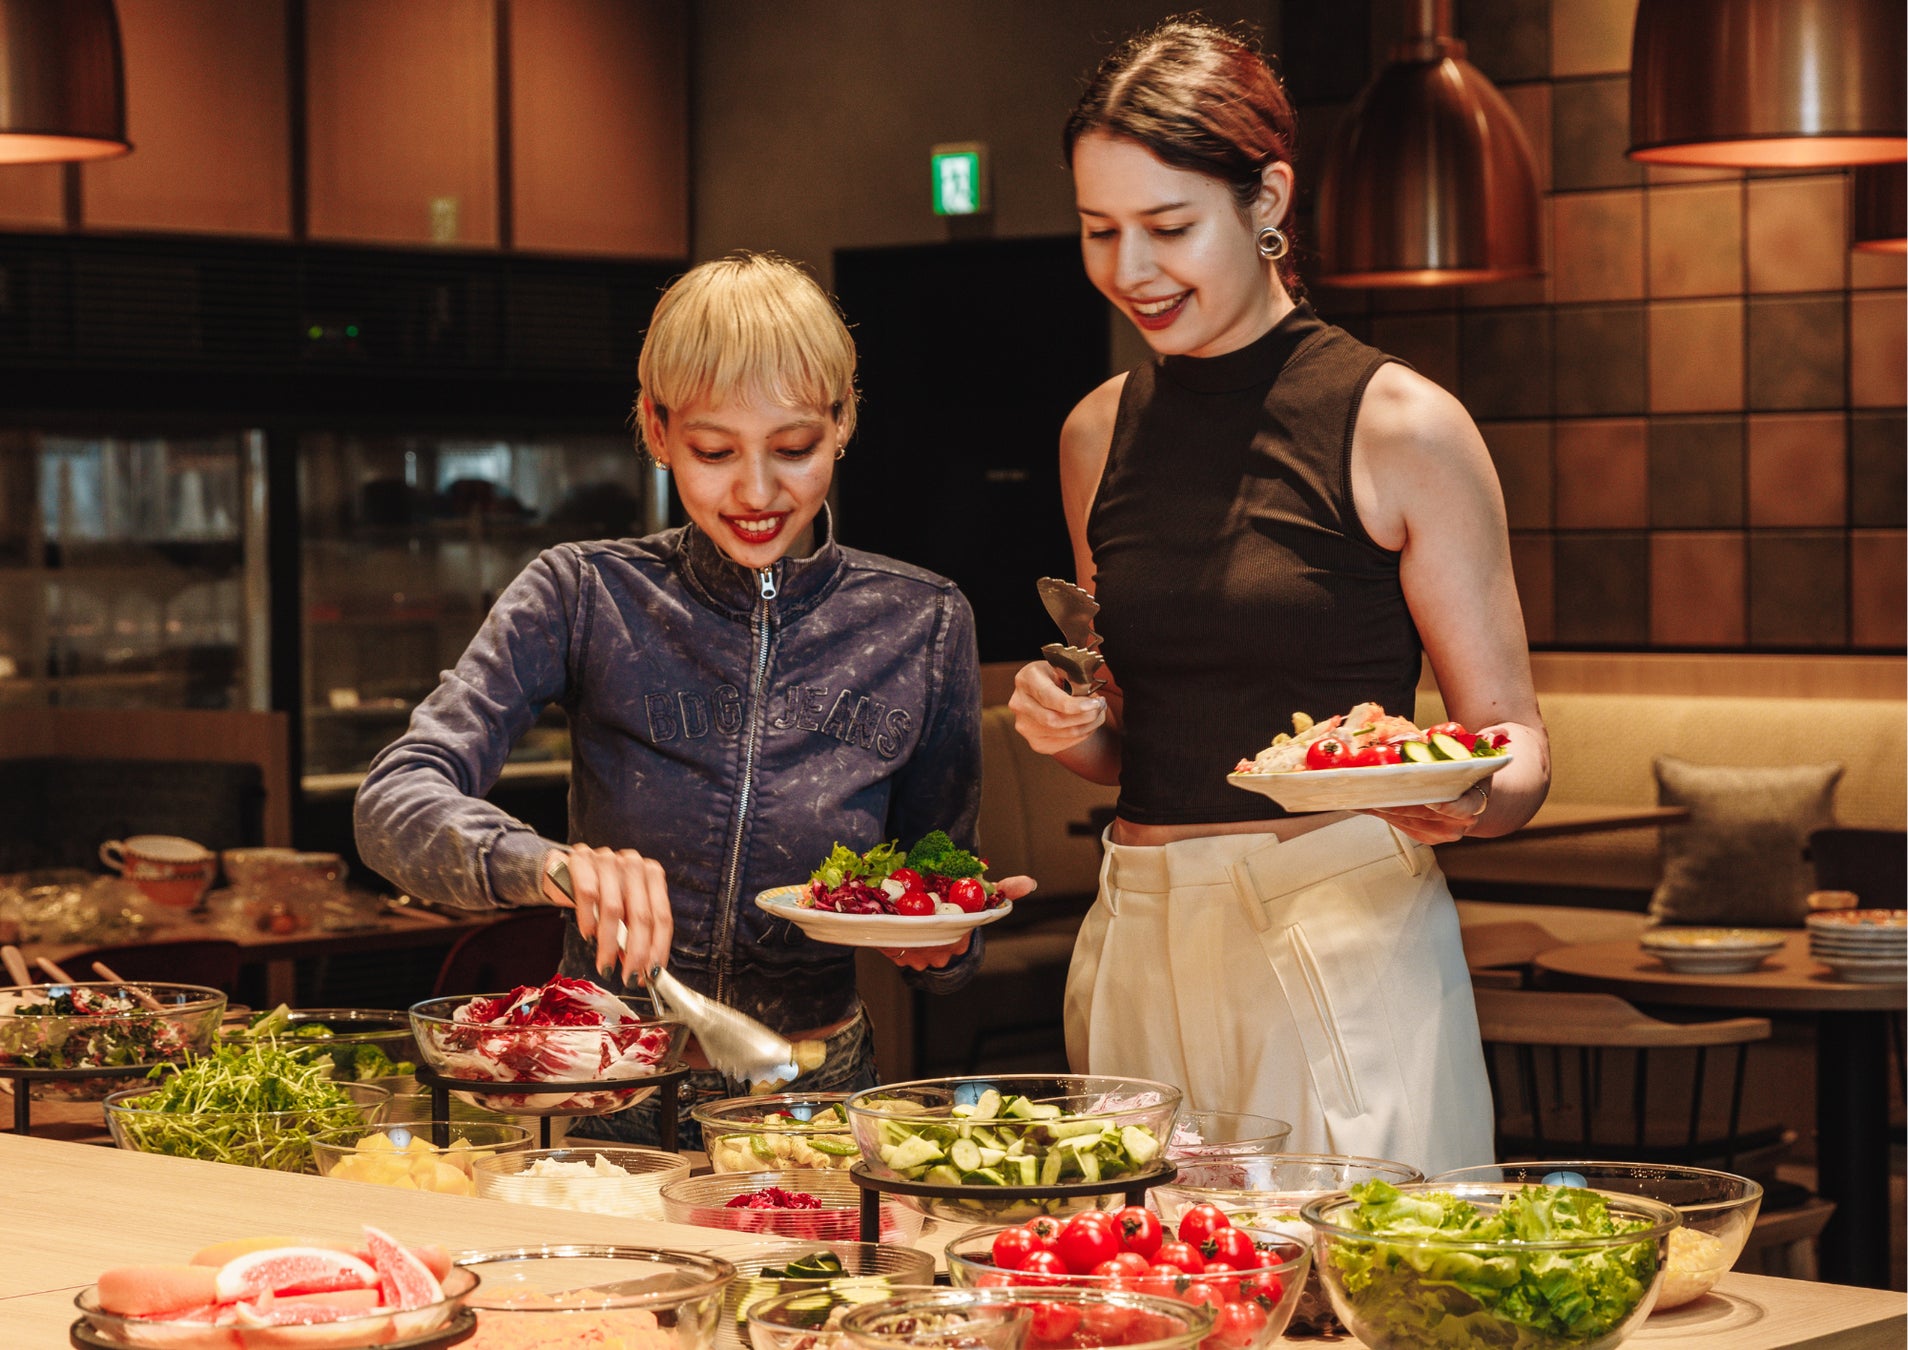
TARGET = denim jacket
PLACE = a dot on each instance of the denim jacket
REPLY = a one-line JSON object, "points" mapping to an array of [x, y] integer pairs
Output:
{"points": [[729, 723]]}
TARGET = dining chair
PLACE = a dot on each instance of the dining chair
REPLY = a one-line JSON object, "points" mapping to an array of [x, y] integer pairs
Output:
{"points": [[524, 947], [1498, 954], [1619, 1122]]}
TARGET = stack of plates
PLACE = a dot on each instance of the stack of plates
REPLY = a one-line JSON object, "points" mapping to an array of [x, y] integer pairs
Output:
{"points": [[1711, 951], [1862, 946]]}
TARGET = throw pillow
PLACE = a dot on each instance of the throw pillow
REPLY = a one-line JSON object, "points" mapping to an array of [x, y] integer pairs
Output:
{"points": [[1738, 860]]}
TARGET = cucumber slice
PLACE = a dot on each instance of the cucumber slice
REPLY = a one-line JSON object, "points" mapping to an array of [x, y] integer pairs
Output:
{"points": [[965, 1155], [942, 1175], [915, 1152], [1417, 752], [1041, 1110], [1140, 1145], [986, 1106], [1448, 747]]}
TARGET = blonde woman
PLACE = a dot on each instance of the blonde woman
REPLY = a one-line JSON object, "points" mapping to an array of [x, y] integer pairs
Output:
{"points": [[743, 693]]}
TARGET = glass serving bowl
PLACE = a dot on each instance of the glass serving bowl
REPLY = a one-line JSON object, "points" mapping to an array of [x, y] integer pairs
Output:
{"points": [[185, 1022], [1010, 1319], [1265, 1193], [563, 1295], [621, 1181], [869, 1271], [704, 1201], [279, 1140], [1221, 1134], [1274, 1288], [768, 1134], [366, 1045], [976, 1137], [404, 1154], [519, 1058], [346, 1333], [1718, 1208], [1414, 1290]]}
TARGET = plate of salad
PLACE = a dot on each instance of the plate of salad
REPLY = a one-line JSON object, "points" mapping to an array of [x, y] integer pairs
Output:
{"points": [[926, 896], [1368, 759]]}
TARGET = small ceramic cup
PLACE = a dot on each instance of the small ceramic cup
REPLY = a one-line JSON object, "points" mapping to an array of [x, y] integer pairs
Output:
{"points": [[170, 870]]}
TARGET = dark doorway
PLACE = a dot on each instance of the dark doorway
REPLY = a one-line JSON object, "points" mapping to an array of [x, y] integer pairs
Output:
{"points": [[972, 354]]}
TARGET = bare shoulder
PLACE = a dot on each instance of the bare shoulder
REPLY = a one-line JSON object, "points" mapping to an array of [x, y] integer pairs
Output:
{"points": [[1413, 443], [1087, 433]]}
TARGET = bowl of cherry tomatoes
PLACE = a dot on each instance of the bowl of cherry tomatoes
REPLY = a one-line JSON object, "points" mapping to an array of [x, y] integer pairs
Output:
{"points": [[1251, 1280]]}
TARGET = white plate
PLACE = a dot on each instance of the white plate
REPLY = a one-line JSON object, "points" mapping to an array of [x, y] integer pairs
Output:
{"points": [[1711, 940], [1375, 786], [1866, 972], [1691, 961], [874, 930]]}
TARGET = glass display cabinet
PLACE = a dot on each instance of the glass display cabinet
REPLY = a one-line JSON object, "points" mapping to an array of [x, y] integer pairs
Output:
{"points": [[407, 540], [133, 570]]}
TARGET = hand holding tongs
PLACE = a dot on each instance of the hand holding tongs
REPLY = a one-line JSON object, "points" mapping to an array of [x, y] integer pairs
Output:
{"points": [[1078, 659]]}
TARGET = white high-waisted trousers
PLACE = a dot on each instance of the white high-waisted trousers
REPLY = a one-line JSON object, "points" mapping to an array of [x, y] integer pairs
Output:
{"points": [[1318, 980]]}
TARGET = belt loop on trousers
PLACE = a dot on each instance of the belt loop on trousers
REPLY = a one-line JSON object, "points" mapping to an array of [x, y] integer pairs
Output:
{"points": [[1412, 855], [1254, 878]]}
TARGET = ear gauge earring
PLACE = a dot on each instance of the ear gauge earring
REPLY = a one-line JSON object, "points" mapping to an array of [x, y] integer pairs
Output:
{"points": [[1273, 244], [841, 449]]}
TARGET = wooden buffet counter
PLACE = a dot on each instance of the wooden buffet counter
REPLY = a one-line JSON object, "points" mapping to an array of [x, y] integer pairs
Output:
{"points": [[79, 1209]]}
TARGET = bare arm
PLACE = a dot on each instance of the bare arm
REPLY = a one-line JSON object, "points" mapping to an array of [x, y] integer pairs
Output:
{"points": [[1424, 485], [1081, 733]]}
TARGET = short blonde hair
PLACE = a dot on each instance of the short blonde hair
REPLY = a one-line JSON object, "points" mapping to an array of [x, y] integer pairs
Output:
{"points": [[753, 325]]}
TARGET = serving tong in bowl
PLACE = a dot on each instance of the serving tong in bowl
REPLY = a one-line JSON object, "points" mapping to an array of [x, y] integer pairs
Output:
{"points": [[1077, 659], [733, 1042]]}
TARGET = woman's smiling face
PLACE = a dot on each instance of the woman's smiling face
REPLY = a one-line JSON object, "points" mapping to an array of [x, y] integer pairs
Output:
{"points": [[751, 473], [1172, 249]]}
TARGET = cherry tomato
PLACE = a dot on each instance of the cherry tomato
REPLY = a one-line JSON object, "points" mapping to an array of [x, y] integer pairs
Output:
{"points": [[969, 894], [1043, 1266], [1182, 1255], [1108, 1324], [1139, 1230], [1201, 1222], [1198, 1291], [1234, 1246], [993, 1279], [1327, 752], [1456, 731], [1124, 1264], [1163, 1279], [1043, 1226], [1262, 1287], [913, 903], [1012, 1247], [1053, 1323], [1373, 755], [1085, 1242], [1223, 1276], [1239, 1325], [909, 878]]}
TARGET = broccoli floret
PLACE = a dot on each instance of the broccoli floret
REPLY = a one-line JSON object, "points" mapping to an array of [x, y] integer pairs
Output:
{"points": [[936, 855]]}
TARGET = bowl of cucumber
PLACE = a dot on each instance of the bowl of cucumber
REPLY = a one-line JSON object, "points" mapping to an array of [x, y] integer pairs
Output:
{"points": [[766, 1134], [1011, 1146], [830, 1273]]}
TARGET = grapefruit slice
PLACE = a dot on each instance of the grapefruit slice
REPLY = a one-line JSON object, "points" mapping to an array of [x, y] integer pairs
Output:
{"points": [[286, 1271], [336, 1306], [404, 1280], [146, 1291]]}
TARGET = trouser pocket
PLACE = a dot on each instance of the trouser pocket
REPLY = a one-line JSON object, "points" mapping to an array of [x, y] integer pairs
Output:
{"points": [[1308, 996]]}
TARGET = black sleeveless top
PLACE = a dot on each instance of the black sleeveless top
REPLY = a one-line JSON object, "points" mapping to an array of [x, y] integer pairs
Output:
{"points": [[1236, 584]]}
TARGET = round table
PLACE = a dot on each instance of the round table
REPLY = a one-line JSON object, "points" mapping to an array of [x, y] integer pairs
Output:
{"points": [[1851, 1083]]}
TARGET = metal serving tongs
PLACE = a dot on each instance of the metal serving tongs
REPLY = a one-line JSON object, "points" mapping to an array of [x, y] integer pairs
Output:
{"points": [[1078, 659], [732, 1041]]}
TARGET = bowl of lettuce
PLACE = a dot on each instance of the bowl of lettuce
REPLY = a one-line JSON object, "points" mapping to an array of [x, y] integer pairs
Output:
{"points": [[1429, 1266]]}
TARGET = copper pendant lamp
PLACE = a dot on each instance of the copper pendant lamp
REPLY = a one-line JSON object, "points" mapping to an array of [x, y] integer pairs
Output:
{"points": [[62, 83], [1768, 83], [1880, 216], [1429, 180]]}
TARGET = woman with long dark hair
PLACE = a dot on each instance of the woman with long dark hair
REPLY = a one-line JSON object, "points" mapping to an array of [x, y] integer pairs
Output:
{"points": [[1276, 519]]}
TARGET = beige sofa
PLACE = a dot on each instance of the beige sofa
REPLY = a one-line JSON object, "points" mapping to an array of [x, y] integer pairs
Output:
{"points": [[1602, 747]]}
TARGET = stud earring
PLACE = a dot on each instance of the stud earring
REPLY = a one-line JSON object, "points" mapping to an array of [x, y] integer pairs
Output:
{"points": [[1273, 244]]}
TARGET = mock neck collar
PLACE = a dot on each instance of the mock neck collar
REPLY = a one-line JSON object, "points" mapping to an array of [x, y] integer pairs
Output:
{"points": [[734, 589], [1258, 362]]}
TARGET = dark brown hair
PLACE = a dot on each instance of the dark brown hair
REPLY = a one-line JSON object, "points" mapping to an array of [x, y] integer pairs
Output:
{"points": [[1200, 97]]}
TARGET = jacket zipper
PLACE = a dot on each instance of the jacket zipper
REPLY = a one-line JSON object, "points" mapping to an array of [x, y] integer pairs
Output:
{"points": [[732, 874]]}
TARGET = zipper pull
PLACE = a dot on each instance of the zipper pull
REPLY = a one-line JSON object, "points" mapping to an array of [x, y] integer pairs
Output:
{"points": [[766, 577]]}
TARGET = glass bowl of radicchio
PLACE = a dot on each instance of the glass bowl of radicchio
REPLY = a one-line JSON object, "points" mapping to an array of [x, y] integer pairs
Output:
{"points": [[564, 1048]]}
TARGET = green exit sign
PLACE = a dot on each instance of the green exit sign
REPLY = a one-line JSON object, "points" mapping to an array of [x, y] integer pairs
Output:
{"points": [[960, 179]]}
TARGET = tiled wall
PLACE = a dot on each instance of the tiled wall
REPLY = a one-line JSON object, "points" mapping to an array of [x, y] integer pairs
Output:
{"points": [[1697, 414]]}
